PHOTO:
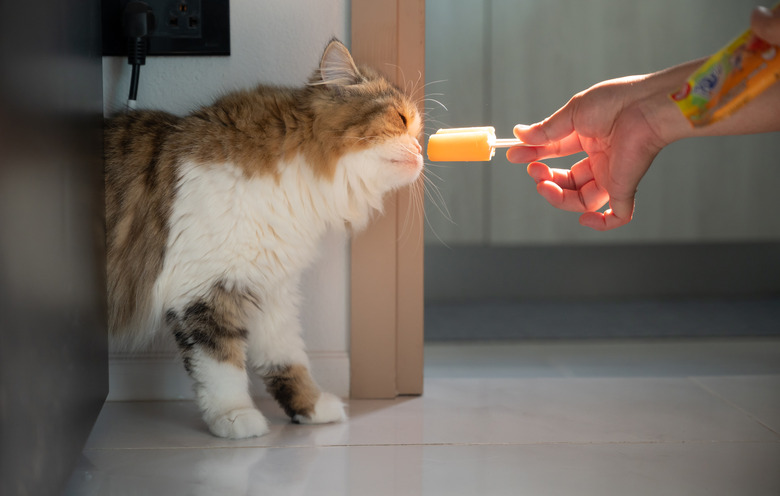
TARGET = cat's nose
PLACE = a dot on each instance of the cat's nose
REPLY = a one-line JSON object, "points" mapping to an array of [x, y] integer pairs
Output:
{"points": [[417, 147]]}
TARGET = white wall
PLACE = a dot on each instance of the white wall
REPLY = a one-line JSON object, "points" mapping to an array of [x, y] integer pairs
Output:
{"points": [[277, 42], [503, 62]]}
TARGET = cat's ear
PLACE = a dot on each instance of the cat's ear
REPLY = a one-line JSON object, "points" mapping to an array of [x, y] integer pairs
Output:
{"points": [[337, 66]]}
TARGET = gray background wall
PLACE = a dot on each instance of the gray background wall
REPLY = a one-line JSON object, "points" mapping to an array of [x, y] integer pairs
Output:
{"points": [[503, 62], [709, 204]]}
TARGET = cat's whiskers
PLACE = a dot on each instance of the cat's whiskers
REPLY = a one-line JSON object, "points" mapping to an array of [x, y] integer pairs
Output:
{"points": [[429, 188], [425, 187], [416, 89], [431, 191], [414, 85], [425, 96], [416, 208], [412, 88], [433, 100], [437, 199], [405, 82], [435, 195]]}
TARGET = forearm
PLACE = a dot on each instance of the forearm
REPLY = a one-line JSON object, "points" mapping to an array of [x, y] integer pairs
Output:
{"points": [[760, 115], [670, 80]]}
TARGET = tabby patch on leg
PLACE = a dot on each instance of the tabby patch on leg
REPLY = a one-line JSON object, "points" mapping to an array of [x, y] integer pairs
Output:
{"points": [[293, 387], [213, 324], [212, 343]]}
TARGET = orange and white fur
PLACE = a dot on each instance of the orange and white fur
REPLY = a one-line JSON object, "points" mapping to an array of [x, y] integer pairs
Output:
{"points": [[212, 218]]}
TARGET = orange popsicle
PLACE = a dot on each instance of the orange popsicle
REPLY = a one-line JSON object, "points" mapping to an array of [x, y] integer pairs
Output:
{"points": [[466, 144]]}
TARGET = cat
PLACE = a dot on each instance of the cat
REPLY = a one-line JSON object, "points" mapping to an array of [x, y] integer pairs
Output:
{"points": [[212, 217]]}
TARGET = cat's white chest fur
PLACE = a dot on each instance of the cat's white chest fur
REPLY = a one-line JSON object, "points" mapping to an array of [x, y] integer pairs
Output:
{"points": [[226, 228], [259, 233]]}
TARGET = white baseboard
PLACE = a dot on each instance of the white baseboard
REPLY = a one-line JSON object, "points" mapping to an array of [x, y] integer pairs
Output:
{"points": [[161, 376]]}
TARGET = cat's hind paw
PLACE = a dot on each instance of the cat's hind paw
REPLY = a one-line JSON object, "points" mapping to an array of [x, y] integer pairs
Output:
{"points": [[328, 409], [239, 424]]}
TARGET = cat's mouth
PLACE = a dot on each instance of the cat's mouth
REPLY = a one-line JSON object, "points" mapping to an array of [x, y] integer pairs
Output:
{"points": [[409, 156], [409, 161], [403, 162]]}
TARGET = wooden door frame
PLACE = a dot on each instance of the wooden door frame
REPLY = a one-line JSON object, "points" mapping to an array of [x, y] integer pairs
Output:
{"points": [[386, 327]]}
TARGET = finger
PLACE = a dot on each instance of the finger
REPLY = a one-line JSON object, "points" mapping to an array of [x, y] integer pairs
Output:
{"points": [[765, 24], [524, 154], [562, 177], [579, 174], [602, 221], [622, 209], [619, 215], [588, 198], [554, 128], [558, 197], [539, 172], [592, 196], [569, 145]]}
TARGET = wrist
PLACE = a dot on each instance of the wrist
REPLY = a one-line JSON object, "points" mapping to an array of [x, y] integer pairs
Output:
{"points": [[662, 113], [664, 118]]}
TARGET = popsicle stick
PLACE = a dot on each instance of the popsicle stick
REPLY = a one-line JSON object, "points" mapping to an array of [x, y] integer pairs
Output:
{"points": [[506, 143]]}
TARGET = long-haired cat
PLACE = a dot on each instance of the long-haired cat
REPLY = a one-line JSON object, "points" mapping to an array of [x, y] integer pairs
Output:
{"points": [[212, 218]]}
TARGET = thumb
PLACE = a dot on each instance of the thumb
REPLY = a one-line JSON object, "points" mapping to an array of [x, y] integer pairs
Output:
{"points": [[619, 214], [622, 209], [765, 24], [554, 128]]}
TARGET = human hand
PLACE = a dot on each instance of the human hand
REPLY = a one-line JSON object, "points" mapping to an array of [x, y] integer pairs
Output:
{"points": [[621, 125], [612, 122]]}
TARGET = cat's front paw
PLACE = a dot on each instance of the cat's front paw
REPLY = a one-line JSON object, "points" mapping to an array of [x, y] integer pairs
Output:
{"points": [[328, 408], [239, 424]]}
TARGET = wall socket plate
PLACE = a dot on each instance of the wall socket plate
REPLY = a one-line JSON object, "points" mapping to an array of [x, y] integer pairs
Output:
{"points": [[182, 27]]}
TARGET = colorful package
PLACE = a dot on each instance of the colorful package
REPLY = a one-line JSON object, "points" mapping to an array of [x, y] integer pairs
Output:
{"points": [[729, 79]]}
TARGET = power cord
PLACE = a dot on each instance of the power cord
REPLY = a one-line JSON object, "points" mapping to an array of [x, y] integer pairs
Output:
{"points": [[137, 24]]}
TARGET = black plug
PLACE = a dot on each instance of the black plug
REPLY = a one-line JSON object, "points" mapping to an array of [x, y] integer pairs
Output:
{"points": [[137, 24]]}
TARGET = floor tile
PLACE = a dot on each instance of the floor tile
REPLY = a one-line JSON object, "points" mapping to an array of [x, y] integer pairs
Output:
{"points": [[759, 396], [542, 418], [581, 410], [693, 469], [178, 425], [542, 410]]}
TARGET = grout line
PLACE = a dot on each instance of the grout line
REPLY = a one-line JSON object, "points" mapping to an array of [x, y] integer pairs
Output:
{"points": [[425, 445], [717, 395]]}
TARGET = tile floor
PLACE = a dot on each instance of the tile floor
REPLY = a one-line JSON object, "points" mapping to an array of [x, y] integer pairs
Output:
{"points": [[583, 418]]}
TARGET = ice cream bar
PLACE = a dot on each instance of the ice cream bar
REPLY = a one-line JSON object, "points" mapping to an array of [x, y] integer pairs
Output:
{"points": [[466, 144]]}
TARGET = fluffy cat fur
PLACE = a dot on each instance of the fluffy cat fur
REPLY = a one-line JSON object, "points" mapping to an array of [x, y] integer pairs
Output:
{"points": [[212, 218]]}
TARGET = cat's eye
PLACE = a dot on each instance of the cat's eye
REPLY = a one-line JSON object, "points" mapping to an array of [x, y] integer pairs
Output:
{"points": [[403, 118]]}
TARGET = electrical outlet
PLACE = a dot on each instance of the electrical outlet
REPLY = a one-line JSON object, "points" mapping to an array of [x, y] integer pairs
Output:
{"points": [[181, 27], [180, 20]]}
